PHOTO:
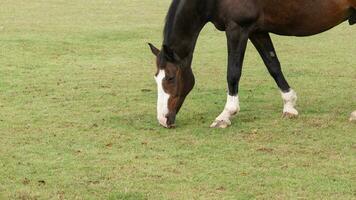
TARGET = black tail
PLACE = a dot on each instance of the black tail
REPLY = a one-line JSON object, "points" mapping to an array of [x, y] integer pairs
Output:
{"points": [[352, 19]]}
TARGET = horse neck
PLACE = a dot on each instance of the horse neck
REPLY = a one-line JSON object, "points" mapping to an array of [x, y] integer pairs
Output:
{"points": [[185, 30]]}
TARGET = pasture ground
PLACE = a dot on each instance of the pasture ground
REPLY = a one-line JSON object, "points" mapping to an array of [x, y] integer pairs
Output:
{"points": [[77, 111]]}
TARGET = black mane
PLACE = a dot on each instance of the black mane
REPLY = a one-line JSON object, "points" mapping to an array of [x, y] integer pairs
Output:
{"points": [[170, 20]]}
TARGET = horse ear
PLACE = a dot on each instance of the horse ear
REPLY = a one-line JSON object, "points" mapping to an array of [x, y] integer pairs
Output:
{"points": [[170, 54], [154, 50]]}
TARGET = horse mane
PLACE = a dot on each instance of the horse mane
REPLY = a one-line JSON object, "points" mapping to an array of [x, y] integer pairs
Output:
{"points": [[170, 20]]}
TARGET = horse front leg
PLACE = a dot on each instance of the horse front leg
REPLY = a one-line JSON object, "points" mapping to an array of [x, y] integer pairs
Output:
{"points": [[264, 45], [236, 41]]}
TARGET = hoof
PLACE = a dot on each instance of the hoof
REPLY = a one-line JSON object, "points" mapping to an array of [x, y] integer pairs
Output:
{"points": [[353, 117], [289, 115], [220, 124]]}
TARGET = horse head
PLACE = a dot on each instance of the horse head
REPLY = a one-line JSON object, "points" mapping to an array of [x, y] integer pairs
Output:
{"points": [[174, 80]]}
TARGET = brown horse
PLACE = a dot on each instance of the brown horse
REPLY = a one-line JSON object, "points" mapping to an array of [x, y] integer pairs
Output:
{"points": [[241, 20]]}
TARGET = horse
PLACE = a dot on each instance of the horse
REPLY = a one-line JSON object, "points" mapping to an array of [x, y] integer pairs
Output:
{"points": [[242, 20]]}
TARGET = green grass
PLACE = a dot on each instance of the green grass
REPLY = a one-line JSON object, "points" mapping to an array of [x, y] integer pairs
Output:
{"points": [[77, 111]]}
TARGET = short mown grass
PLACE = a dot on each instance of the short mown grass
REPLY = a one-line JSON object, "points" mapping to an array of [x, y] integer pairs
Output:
{"points": [[77, 111]]}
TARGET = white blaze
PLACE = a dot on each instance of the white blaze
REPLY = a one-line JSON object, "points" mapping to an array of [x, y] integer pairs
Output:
{"points": [[162, 99]]}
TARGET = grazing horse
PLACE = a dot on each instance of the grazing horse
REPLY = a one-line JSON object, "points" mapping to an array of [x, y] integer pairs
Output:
{"points": [[241, 20]]}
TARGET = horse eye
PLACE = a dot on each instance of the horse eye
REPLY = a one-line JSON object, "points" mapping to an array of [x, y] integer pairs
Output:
{"points": [[169, 78]]}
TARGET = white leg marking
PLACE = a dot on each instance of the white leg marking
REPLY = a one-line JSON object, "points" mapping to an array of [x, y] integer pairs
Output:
{"points": [[232, 107], [290, 100], [353, 116], [162, 99]]}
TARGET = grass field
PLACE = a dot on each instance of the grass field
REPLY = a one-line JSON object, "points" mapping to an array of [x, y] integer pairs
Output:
{"points": [[77, 111]]}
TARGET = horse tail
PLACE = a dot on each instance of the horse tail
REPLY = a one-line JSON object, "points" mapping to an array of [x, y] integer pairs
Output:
{"points": [[352, 19]]}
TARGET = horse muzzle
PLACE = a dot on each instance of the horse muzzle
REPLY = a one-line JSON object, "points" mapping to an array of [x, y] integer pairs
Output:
{"points": [[168, 121]]}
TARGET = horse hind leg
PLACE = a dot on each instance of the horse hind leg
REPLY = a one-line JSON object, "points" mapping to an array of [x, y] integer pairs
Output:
{"points": [[264, 46]]}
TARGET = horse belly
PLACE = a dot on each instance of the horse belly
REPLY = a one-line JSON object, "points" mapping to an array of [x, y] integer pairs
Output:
{"points": [[296, 20], [305, 28]]}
